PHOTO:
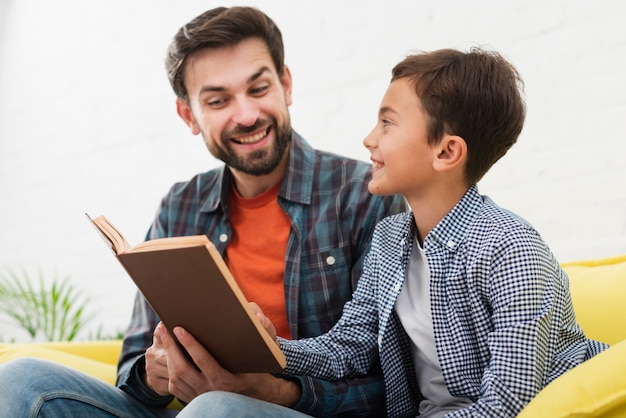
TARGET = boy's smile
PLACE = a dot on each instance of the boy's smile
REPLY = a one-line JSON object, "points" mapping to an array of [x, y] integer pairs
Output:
{"points": [[376, 164]]}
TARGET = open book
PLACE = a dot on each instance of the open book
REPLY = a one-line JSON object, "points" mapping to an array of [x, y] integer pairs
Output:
{"points": [[187, 283]]}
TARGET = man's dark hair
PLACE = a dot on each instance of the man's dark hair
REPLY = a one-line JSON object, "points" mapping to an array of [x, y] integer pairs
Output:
{"points": [[217, 28]]}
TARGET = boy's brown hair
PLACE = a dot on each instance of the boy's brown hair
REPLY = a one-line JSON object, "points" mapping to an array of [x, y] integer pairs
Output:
{"points": [[476, 95], [217, 28]]}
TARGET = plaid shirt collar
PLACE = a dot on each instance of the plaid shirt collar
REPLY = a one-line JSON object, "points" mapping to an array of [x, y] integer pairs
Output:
{"points": [[297, 184]]}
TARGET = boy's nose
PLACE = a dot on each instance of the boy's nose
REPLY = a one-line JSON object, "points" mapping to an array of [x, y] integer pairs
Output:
{"points": [[369, 141]]}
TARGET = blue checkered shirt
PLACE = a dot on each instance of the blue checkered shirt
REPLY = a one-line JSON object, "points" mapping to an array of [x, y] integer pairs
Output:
{"points": [[332, 215], [503, 320]]}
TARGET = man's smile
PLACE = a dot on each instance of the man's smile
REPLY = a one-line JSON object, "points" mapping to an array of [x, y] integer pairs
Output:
{"points": [[251, 139]]}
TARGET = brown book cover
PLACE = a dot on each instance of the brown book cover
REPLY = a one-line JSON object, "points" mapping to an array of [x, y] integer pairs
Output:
{"points": [[187, 283]]}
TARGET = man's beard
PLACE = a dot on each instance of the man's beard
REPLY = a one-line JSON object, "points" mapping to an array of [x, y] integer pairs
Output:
{"points": [[260, 162]]}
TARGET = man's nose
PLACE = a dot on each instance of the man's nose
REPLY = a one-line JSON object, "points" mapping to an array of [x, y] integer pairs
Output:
{"points": [[246, 112]]}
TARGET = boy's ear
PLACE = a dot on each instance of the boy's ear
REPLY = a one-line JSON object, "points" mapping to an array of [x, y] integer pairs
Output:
{"points": [[452, 153], [184, 111]]}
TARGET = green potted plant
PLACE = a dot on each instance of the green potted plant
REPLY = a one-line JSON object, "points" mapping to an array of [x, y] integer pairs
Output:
{"points": [[53, 312]]}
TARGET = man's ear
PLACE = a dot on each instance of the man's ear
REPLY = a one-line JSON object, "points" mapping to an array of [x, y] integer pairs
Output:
{"points": [[286, 82], [452, 153], [184, 111]]}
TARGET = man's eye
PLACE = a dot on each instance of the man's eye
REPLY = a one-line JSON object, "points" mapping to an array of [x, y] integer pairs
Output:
{"points": [[216, 102], [256, 91]]}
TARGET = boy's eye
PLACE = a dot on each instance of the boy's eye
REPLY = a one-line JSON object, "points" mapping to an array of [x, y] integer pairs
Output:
{"points": [[385, 122]]}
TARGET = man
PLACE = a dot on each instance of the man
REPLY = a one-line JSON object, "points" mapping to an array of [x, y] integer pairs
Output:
{"points": [[292, 223]]}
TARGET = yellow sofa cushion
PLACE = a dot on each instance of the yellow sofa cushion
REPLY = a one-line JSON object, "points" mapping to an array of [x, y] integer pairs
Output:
{"points": [[596, 388], [97, 358], [598, 290]]}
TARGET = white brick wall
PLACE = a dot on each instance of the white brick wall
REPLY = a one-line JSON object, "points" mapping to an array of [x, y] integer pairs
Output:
{"points": [[87, 118]]}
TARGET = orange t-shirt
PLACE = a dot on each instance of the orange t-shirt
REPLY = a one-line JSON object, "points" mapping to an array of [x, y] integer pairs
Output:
{"points": [[256, 252]]}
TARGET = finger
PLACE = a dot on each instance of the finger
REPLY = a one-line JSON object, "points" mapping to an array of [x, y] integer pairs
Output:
{"points": [[255, 308], [156, 337], [182, 374], [200, 356], [157, 350], [156, 375], [174, 352], [158, 384], [267, 324], [211, 375]]}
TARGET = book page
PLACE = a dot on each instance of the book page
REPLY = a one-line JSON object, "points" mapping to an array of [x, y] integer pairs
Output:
{"points": [[111, 235], [116, 241], [170, 242]]}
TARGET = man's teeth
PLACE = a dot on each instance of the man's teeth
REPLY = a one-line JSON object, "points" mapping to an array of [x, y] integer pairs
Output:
{"points": [[251, 139]]}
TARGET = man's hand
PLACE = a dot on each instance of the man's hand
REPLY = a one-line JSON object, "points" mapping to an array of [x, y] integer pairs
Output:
{"points": [[265, 321], [156, 363], [187, 381]]}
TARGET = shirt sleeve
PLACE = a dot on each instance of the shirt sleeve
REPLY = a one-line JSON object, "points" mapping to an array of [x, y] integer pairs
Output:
{"points": [[534, 330], [348, 397], [132, 358], [337, 377], [349, 349]]}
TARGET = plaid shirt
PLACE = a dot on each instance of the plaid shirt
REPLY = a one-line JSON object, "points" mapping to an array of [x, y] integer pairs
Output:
{"points": [[503, 320], [332, 216]]}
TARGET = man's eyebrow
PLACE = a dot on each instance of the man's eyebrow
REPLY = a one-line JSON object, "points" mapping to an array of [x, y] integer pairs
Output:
{"points": [[207, 89], [250, 80], [257, 74]]}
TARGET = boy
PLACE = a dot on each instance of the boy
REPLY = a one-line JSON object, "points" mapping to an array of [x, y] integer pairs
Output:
{"points": [[463, 304]]}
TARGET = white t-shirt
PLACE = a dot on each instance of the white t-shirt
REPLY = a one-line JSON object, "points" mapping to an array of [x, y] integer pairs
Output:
{"points": [[413, 309]]}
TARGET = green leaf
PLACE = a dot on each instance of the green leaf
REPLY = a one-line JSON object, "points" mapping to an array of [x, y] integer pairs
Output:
{"points": [[57, 312]]}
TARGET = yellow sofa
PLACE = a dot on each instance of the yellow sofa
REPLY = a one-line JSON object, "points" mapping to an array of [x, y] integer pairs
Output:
{"points": [[596, 388], [97, 358]]}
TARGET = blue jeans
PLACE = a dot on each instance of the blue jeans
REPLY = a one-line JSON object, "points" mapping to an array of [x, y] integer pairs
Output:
{"points": [[39, 388], [232, 405]]}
